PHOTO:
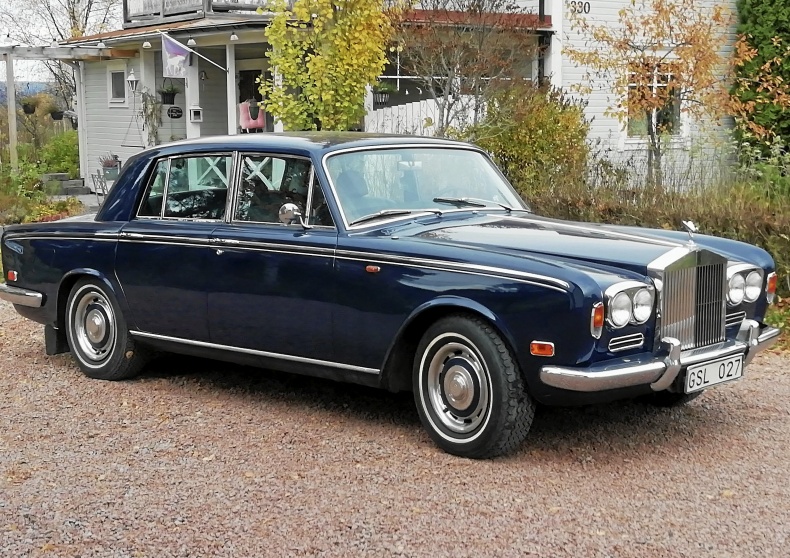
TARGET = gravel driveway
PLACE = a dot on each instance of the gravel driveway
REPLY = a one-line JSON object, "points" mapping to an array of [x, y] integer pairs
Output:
{"points": [[198, 458]]}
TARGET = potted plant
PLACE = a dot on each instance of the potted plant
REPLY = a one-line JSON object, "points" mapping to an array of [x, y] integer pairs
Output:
{"points": [[110, 164], [168, 92], [56, 113], [29, 105], [381, 93]]}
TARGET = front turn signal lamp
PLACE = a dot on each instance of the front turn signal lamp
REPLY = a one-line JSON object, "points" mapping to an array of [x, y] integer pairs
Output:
{"points": [[770, 287], [597, 319]]}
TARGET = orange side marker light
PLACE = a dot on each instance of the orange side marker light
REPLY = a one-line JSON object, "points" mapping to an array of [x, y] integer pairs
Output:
{"points": [[541, 348]]}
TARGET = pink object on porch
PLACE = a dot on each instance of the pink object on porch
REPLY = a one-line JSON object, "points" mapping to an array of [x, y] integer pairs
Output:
{"points": [[245, 120]]}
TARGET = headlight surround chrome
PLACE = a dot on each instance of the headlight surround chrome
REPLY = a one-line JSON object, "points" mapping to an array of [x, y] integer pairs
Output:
{"points": [[629, 302], [744, 283]]}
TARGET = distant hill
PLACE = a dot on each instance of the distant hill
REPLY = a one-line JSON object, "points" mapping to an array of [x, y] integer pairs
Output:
{"points": [[24, 88]]}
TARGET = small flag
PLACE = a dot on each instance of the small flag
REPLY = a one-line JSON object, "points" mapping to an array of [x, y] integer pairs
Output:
{"points": [[175, 58]]}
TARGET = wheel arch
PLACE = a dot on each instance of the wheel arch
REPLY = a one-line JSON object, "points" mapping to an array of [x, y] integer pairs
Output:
{"points": [[67, 283], [397, 368]]}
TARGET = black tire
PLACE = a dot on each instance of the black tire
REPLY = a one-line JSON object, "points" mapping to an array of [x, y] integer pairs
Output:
{"points": [[671, 399], [98, 336], [469, 391]]}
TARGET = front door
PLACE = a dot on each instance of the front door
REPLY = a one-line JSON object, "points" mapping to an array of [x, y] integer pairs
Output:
{"points": [[273, 284]]}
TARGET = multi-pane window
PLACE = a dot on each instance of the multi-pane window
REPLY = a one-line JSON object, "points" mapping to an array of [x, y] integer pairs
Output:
{"points": [[191, 187], [653, 99]]}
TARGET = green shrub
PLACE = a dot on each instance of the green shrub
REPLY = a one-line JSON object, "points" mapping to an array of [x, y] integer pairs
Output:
{"points": [[61, 154], [535, 136]]}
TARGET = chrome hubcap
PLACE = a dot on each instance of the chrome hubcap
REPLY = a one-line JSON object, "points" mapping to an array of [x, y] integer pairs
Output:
{"points": [[457, 385], [95, 326], [93, 322]]}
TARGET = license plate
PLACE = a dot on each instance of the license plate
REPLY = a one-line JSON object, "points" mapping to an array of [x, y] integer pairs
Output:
{"points": [[713, 373]]}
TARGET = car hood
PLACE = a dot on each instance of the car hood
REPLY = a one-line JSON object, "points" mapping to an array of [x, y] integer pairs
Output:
{"points": [[619, 247]]}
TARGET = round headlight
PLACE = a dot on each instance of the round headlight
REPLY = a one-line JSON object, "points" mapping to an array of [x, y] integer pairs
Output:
{"points": [[736, 289], [620, 310], [754, 286], [643, 305]]}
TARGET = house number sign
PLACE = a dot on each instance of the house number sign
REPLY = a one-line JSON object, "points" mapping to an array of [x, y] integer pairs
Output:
{"points": [[175, 112], [579, 7]]}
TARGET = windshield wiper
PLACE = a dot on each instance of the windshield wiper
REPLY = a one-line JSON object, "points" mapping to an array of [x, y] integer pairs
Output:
{"points": [[460, 202], [477, 202], [379, 214]]}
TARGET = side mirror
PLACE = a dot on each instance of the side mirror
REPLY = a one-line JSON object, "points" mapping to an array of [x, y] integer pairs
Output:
{"points": [[290, 214]]}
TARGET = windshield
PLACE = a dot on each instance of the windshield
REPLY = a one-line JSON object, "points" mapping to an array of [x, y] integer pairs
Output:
{"points": [[416, 179]]}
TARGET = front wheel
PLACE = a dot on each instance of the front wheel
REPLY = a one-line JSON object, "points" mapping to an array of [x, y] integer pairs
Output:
{"points": [[97, 334], [469, 391]]}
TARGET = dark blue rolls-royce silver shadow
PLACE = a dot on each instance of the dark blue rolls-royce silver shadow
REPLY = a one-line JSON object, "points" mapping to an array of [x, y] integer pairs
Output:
{"points": [[403, 263]]}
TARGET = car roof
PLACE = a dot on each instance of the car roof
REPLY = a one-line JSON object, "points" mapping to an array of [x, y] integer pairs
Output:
{"points": [[302, 143]]}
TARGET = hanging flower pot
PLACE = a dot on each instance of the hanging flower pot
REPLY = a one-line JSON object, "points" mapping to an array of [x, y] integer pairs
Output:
{"points": [[168, 98], [56, 114], [168, 92], [28, 108]]}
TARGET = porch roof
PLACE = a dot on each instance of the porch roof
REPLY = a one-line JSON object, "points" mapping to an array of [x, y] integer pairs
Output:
{"points": [[194, 27]]}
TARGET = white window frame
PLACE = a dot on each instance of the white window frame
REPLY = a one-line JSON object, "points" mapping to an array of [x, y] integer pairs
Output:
{"points": [[117, 67], [635, 143]]}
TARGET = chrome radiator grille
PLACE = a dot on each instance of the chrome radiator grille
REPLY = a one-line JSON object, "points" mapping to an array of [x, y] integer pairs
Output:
{"points": [[693, 304]]}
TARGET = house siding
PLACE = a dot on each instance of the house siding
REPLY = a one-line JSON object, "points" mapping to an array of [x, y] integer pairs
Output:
{"points": [[109, 129], [696, 156]]}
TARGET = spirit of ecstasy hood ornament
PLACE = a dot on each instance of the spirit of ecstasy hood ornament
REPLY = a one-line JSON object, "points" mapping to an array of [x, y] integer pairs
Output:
{"points": [[691, 228]]}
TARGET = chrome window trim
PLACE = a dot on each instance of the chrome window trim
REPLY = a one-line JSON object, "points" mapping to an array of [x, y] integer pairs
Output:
{"points": [[458, 147], [191, 155], [254, 352]]}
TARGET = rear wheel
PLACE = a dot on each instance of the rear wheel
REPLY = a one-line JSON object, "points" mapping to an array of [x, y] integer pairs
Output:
{"points": [[97, 334], [469, 391]]}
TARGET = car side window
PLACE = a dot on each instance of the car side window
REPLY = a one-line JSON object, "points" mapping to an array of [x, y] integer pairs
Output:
{"points": [[267, 183], [193, 187], [318, 212], [151, 205]]}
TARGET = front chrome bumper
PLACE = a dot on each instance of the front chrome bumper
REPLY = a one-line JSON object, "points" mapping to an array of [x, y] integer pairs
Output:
{"points": [[660, 369], [22, 297]]}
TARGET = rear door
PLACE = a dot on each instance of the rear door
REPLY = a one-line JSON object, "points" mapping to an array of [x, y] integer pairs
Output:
{"points": [[163, 252]]}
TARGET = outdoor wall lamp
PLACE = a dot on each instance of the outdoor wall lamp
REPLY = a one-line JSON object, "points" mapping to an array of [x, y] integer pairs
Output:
{"points": [[132, 81]]}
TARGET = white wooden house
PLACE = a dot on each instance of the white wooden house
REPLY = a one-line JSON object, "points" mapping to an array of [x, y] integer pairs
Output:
{"points": [[229, 37]]}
